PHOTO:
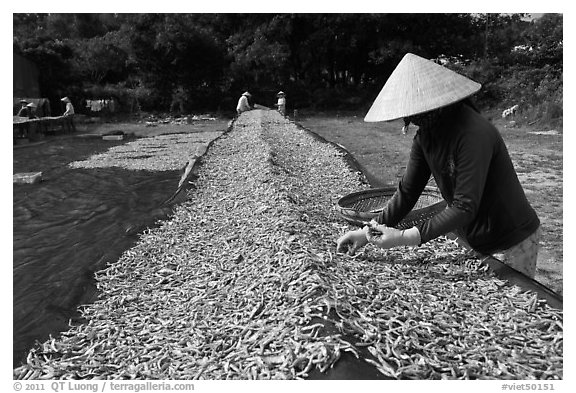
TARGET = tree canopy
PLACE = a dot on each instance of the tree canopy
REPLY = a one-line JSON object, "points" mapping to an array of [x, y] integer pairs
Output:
{"points": [[320, 60]]}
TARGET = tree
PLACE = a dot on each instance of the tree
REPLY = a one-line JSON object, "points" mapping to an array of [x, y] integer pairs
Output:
{"points": [[53, 60], [259, 52], [101, 59], [174, 52], [545, 38], [320, 59]]}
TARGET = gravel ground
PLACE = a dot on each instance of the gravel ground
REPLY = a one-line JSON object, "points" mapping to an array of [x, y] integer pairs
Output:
{"points": [[242, 282]]}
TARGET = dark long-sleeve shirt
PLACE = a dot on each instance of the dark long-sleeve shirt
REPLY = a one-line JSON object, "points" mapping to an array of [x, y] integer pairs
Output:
{"points": [[472, 168]]}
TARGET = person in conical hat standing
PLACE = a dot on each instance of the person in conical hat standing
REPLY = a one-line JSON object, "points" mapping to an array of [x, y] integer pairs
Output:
{"points": [[24, 110], [466, 155], [68, 115], [24, 128], [281, 104]]}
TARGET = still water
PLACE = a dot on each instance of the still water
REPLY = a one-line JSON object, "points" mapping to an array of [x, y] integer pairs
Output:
{"points": [[71, 224]]}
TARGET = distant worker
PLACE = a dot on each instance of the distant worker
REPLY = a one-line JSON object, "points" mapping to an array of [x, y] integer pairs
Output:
{"points": [[24, 127], [405, 127], [178, 100], [281, 104], [243, 103], [24, 109], [68, 115], [32, 111]]}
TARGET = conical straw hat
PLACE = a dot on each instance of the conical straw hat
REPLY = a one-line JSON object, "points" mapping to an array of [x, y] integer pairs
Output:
{"points": [[416, 86]]}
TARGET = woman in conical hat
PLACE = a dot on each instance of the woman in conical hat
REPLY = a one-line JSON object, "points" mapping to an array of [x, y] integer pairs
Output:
{"points": [[243, 103], [281, 104], [464, 152], [68, 115]]}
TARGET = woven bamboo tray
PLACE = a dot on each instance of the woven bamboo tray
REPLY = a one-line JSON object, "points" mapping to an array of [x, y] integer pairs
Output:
{"points": [[360, 207]]}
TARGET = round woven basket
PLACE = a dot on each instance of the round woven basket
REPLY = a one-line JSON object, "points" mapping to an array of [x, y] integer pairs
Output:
{"points": [[360, 207]]}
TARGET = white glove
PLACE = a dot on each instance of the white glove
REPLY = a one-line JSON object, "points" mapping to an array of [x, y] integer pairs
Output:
{"points": [[352, 241], [387, 237]]}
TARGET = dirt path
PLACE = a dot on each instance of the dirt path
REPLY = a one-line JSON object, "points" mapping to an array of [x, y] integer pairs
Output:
{"points": [[383, 151], [538, 162]]}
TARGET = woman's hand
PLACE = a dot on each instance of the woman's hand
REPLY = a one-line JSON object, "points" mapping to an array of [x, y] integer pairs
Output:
{"points": [[352, 241], [387, 237]]}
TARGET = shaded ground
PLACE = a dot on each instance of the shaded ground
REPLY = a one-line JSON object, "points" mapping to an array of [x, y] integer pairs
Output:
{"points": [[383, 151]]}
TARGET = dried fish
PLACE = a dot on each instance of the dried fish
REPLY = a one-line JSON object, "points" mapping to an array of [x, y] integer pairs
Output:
{"points": [[242, 282]]}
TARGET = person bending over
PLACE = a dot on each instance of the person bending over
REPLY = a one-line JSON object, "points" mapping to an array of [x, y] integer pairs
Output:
{"points": [[486, 204]]}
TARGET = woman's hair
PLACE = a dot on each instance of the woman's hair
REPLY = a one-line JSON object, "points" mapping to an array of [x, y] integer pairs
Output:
{"points": [[468, 101], [428, 118]]}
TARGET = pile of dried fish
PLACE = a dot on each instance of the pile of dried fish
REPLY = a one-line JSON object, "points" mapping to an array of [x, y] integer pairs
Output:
{"points": [[152, 120], [160, 153], [242, 283]]}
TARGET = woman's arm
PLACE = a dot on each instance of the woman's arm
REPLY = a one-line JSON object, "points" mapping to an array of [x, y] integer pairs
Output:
{"points": [[472, 159], [409, 188]]}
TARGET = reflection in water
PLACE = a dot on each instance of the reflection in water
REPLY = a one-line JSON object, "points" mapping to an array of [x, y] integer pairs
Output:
{"points": [[71, 224]]}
